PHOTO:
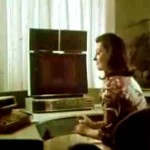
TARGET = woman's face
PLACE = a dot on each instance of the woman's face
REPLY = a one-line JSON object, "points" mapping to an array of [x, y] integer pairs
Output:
{"points": [[101, 56]]}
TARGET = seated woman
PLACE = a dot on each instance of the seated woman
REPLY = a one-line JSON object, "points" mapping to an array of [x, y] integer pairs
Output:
{"points": [[121, 94]]}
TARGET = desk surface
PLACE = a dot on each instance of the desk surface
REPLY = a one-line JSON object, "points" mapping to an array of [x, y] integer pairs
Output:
{"points": [[29, 132], [61, 123], [63, 142]]}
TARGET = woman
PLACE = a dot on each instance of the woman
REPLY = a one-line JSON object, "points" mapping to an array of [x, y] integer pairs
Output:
{"points": [[120, 93]]}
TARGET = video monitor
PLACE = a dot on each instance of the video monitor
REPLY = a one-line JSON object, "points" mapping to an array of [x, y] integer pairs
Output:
{"points": [[43, 39], [58, 73], [73, 37], [52, 39]]}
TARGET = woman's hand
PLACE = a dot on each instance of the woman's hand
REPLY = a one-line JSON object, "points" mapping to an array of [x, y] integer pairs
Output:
{"points": [[86, 121], [82, 129]]}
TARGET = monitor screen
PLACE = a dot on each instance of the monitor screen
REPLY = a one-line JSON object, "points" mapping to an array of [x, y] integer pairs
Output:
{"points": [[52, 39], [58, 73], [39, 39]]}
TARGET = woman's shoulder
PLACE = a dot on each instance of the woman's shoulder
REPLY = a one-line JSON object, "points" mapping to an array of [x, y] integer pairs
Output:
{"points": [[122, 82], [117, 81], [136, 85]]}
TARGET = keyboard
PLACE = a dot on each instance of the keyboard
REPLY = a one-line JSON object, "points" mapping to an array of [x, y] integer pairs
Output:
{"points": [[13, 121]]}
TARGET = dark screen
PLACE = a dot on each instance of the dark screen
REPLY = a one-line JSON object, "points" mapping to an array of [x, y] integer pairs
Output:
{"points": [[39, 39], [58, 73]]}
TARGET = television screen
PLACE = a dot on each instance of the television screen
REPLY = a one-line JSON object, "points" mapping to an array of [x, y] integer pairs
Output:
{"points": [[52, 39], [73, 37], [40, 39], [57, 73]]}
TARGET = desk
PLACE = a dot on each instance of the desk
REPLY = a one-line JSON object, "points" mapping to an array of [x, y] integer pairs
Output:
{"points": [[61, 123], [25, 138], [63, 142], [58, 123], [28, 132]]}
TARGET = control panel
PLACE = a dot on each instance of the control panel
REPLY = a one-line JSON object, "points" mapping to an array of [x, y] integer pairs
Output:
{"points": [[59, 104]]}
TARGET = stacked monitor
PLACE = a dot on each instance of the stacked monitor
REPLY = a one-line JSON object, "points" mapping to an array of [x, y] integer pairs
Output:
{"points": [[57, 73]]}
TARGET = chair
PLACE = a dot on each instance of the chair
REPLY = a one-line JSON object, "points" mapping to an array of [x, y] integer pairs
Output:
{"points": [[133, 132]]}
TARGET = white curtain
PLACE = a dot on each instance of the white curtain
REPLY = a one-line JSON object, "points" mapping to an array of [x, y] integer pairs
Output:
{"points": [[22, 15]]}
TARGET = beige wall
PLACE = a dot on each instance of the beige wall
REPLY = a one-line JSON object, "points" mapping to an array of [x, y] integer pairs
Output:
{"points": [[130, 12], [132, 23], [3, 45]]}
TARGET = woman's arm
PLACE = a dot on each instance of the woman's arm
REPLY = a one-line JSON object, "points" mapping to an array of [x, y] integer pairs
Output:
{"points": [[88, 122], [110, 114], [94, 130], [98, 124], [111, 111], [86, 130]]}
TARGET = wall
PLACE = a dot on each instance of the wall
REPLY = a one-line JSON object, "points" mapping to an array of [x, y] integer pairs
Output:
{"points": [[128, 14], [133, 24], [3, 37]]}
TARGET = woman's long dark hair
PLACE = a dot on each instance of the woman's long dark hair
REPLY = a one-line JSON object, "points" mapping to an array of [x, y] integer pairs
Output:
{"points": [[118, 63]]}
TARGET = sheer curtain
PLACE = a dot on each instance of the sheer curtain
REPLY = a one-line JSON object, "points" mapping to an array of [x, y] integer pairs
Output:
{"points": [[86, 15]]}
